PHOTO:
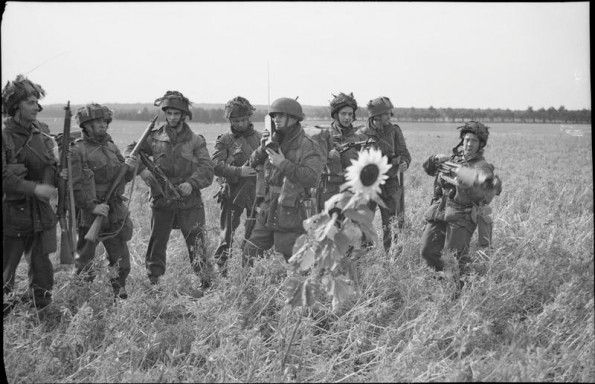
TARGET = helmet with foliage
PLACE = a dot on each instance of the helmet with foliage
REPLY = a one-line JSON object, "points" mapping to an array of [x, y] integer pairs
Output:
{"points": [[478, 129], [93, 111], [238, 107], [174, 99], [288, 106], [342, 100], [18, 90], [379, 105]]}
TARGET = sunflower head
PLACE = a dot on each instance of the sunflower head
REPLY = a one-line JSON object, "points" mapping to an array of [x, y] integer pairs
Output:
{"points": [[366, 174]]}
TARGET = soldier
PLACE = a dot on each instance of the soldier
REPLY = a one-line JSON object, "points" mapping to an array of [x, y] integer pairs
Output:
{"points": [[457, 203], [237, 179], [389, 140], [180, 168], [342, 134], [29, 179], [96, 162], [292, 165]]}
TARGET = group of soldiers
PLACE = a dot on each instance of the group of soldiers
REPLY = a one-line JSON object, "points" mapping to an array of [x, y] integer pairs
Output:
{"points": [[270, 176]]}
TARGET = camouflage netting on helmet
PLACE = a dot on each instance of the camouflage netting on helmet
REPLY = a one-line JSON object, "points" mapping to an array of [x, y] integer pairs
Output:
{"points": [[174, 99], [478, 129], [379, 105], [341, 101], [93, 111], [238, 107], [18, 90]]}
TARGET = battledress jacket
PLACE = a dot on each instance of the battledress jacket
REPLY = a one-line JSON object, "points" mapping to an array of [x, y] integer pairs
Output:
{"points": [[95, 164], [27, 160], [341, 136], [464, 202], [282, 208], [182, 157], [232, 151]]}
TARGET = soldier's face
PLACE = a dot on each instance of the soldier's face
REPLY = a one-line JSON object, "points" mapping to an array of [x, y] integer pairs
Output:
{"points": [[240, 123], [28, 108], [470, 144], [97, 127], [283, 121], [381, 120], [173, 116], [345, 116]]}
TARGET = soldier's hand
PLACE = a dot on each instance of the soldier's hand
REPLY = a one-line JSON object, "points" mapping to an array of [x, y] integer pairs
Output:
{"points": [[131, 162], [64, 174], [275, 157], [101, 210], [246, 171], [45, 191], [334, 155], [263, 140], [402, 166], [185, 189]]}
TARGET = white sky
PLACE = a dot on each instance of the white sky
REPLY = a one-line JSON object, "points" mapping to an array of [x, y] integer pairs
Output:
{"points": [[460, 55]]}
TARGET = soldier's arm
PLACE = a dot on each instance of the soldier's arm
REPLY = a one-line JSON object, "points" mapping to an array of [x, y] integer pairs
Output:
{"points": [[401, 146], [13, 177], [84, 194], [220, 159], [306, 174], [204, 173], [130, 172], [430, 166]]}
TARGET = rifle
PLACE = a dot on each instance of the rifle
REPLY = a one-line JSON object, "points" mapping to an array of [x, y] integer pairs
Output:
{"points": [[357, 145], [67, 237], [93, 232]]}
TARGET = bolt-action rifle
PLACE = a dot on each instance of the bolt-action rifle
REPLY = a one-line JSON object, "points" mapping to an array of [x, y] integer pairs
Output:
{"points": [[67, 222], [93, 232]]}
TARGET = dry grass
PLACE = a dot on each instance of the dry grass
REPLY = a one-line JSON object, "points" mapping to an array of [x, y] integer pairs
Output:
{"points": [[526, 313]]}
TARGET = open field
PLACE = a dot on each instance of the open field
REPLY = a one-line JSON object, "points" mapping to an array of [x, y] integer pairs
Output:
{"points": [[526, 315]]}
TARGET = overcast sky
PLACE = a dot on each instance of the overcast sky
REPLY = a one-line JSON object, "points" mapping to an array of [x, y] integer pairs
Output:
{"points": [[460, 55]]}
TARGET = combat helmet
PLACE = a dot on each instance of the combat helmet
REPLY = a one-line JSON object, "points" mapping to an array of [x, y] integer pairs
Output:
{"points": [[342, 100], [238, 107], [18, 90], [378, 106], [478, 129], [288, 106], [93, 111], [174, 99]]}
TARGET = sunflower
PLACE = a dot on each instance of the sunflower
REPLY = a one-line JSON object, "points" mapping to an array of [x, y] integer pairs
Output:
{"points": [[366, 174]]}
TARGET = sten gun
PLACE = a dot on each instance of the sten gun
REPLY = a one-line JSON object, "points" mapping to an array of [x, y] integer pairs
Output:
{"points": [[356, 144]]}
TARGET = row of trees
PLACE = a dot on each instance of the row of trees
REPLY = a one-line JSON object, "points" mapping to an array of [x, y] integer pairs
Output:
{"points": [[213, 113]]}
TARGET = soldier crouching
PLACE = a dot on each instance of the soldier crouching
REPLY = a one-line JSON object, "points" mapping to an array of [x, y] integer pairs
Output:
{"points": [[292, 165], [464, 184]]}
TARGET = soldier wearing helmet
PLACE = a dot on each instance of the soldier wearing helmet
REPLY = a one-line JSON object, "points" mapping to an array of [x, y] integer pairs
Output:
{"points": [[460, 198], [96, 162], [183, 158], [389, 139], [237, 178], [292, 165], [342, 131], [28, 183]]}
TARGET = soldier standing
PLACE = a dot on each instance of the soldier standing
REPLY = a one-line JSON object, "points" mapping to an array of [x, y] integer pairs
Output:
{"points": [[29, 179], [342, 133], [292, 165], [389, 140], [458, 202], [182, 167], [96, 162], [237, 179]]}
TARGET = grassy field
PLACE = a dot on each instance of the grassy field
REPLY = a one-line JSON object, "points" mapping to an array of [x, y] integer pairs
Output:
{"points": [[526, 315]]}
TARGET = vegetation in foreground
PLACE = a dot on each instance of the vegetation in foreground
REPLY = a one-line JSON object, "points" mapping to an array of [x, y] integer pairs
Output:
{"points": [[527, 313]]}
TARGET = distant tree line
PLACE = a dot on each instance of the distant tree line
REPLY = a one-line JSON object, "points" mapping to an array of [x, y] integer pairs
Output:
{"points": [[213, 113]]}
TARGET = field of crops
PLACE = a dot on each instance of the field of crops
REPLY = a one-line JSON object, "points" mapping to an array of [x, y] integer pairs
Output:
{"points": [[526, 315]]}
